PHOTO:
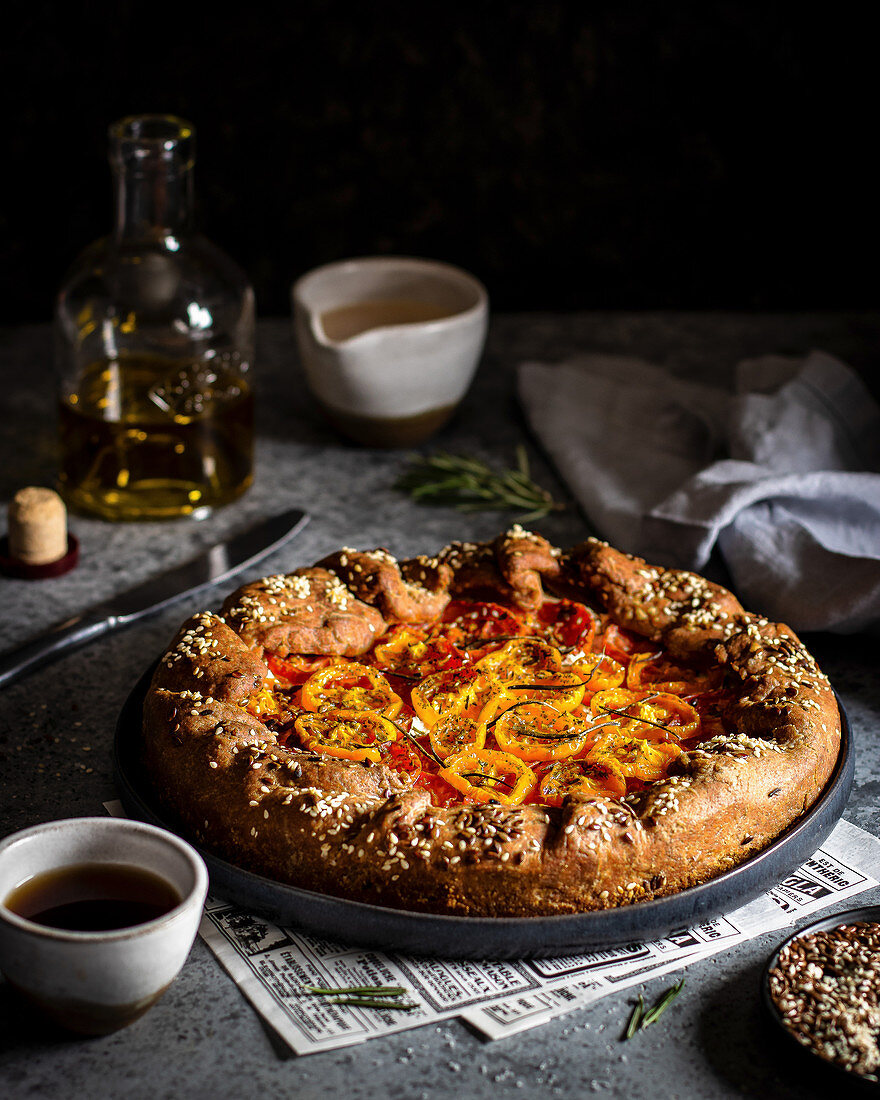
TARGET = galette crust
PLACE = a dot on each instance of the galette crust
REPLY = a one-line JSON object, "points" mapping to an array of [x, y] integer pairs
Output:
{"points": [[356, 830]]}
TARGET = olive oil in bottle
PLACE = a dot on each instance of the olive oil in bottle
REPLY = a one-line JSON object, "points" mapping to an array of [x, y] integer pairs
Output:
{"points": [[154, 343], [152, 437]]}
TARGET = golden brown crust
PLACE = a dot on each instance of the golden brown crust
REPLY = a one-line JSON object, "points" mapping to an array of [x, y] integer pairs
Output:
{"points": [[683, 611], [404, 592], [356, 831], [510, 567], [310, 611]]}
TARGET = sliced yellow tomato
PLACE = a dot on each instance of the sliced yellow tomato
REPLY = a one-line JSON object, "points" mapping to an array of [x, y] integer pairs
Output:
{"points": [[538, 731], [347, 734], [599, 672], [407, 649], [633, 756], [522, 656], [350, 686], [454, 732], [487, 775], [653, 715], [467, 691], [263, 702], [565, 689], [581, 778]]}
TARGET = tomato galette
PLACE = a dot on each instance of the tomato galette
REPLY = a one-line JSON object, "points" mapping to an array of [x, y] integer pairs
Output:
{"points": [[503, 729]]}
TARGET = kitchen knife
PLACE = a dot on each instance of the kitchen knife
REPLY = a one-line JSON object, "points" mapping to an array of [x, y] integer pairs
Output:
{"points": [[212, 566]]}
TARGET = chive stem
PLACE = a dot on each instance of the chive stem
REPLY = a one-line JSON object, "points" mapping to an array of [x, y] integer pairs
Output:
{"points": [[635, 1019]]}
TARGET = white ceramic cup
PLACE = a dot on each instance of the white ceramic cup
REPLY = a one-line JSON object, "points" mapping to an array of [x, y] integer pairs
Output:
{"points": [[97, 982], [395, 384]]}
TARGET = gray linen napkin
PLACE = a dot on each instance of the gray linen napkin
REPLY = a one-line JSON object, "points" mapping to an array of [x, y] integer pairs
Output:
{"points": [[783, 476]]}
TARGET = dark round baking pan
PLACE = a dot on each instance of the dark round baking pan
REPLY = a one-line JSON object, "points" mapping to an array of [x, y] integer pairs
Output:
{"points": [[831, 1072], [412, 933]]}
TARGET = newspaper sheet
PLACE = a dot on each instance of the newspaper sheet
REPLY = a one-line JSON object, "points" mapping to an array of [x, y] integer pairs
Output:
{"points": [[846, 865], [271, 964]]}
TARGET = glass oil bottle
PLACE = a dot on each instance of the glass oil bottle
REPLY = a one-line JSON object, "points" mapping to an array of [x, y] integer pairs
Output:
{"points": [[154, 331]]}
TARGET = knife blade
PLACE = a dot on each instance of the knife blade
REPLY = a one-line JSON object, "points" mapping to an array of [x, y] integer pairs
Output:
{"points": [[216, 564]]}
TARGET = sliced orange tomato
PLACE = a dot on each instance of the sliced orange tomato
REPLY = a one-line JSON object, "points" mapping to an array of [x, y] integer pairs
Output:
{"points": [[522, 656], [599, 672], [347, 734], [568, 624], [538, 731], [454, 732], [581, 778], [263, 703], [610, 720], [350, 686], [660, 673], [467, 691], [410, 650], [487, 775], [656, 716], [635, 757]]}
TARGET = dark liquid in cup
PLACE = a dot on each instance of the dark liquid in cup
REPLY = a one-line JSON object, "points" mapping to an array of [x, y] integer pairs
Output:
{"points": [[93, 897]]}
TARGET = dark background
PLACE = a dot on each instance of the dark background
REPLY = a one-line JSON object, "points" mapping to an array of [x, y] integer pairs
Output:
{"points": [[574, 156]]}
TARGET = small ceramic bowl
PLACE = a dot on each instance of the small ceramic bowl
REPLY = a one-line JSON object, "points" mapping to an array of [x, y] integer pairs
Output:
{"points": [[389, 344], [97, 982], [830, 1073]]}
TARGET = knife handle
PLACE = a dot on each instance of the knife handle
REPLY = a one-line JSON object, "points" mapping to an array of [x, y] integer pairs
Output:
{"points": [[50, 645]]}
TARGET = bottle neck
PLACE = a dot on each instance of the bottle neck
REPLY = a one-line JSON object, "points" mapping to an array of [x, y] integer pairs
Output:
{"points": [[152, 158], [152, 203]]}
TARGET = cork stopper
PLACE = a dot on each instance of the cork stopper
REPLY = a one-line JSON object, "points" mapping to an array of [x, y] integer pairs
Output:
{"points": [[37, 526]]}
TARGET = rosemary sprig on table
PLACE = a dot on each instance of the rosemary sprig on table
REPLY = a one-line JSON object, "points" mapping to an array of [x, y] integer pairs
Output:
{"points": [[363, 996], [642, 1018], [370, 990], [471, 485]]}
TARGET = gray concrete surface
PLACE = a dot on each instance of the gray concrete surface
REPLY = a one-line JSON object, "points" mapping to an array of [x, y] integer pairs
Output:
{"points": [[56, 728]]}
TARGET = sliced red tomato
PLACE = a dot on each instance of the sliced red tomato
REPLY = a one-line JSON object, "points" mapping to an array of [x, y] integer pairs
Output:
{"points": [[599, 672], [564, 690], [295, 669], [263, 703], [657, 672], [568, 624], [619, 643], [466, 623], [404, 757], [442, 793]]}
